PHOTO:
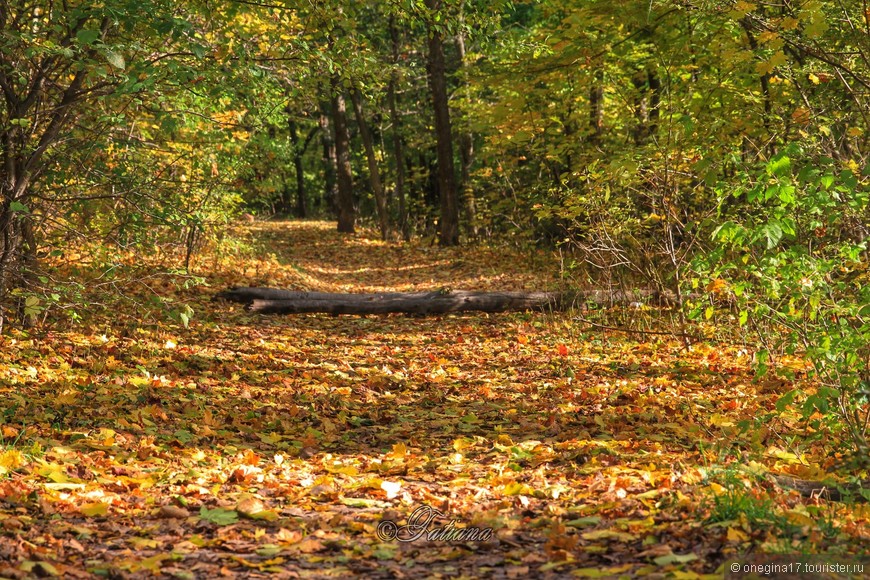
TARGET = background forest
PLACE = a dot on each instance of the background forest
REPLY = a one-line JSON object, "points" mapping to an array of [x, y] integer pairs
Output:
{"points": [[710, 156]]}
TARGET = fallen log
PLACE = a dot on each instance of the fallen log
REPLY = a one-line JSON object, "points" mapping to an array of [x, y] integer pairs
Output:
{"points": [[274, 301], [828, 491], [246, 295], [278, 301]]}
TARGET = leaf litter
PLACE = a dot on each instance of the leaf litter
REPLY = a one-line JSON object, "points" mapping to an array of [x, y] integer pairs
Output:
{"points": [[240, 445]]}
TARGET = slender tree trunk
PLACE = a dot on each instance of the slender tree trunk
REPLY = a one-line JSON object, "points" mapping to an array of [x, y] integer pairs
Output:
{"points": [[641, 108], [449, 220], [398, 147], [330, 161], [466, 151], [17, 235], [655, 92], [346, 211], [374, 172], [596, 107], [299, 149], [287, 203]]}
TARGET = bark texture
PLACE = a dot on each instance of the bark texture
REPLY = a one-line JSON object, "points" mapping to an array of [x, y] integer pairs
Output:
{"points": [[274, 301], [278, 301], [346, 210], [448, 226]]}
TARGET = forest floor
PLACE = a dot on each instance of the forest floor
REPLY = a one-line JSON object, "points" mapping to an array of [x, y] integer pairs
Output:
{"points": [[136, 446]]}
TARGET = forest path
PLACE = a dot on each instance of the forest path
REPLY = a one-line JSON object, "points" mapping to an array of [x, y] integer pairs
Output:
{"points": [[257, 446], [311, 255]]}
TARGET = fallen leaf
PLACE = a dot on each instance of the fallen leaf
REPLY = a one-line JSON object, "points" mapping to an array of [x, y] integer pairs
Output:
{"points": [[95, 509], [171, 511]]}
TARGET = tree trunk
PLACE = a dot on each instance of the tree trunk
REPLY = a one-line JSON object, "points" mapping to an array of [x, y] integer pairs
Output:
{"points": [[596, 107], [17, 241], [449, 220], [330, 162], [398, 148], [298, 151], [374, 172], [641, 108], [655, 91], [346, 211], [466, 151], [272, 301]]}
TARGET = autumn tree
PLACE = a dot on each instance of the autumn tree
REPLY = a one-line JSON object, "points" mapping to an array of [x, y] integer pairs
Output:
{"points": [[58, 63]]}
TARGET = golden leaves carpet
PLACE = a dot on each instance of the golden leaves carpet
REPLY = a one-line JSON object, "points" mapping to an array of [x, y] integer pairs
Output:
{"points": [[254, 447]]}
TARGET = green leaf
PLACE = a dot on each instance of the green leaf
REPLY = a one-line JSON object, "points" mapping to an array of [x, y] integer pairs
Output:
{"points": [[87, 37], [586, 522], [785, 400], [17, 206], [115, 59], [218, 516], [779, 165], [183, 436], [772, 232]]}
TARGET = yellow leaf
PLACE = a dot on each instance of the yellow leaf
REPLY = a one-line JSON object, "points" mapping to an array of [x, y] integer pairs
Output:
{"points": [[399, 451], [778, 59], [693, 476], [95, 509], [799, 518], [609, 535], [735, 535], [54, 473], [717, 285], [789, 23], [517, 488], [11, 459], [152, 563], [718, 420], [348, 470], [144, 543], [601, 572], [286, 536], [717, 489], [250, 506], [309, 545], [41, 568], [169, 345]]}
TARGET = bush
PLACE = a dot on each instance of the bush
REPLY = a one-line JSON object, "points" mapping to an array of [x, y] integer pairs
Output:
{"points": [[791, 259]]}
